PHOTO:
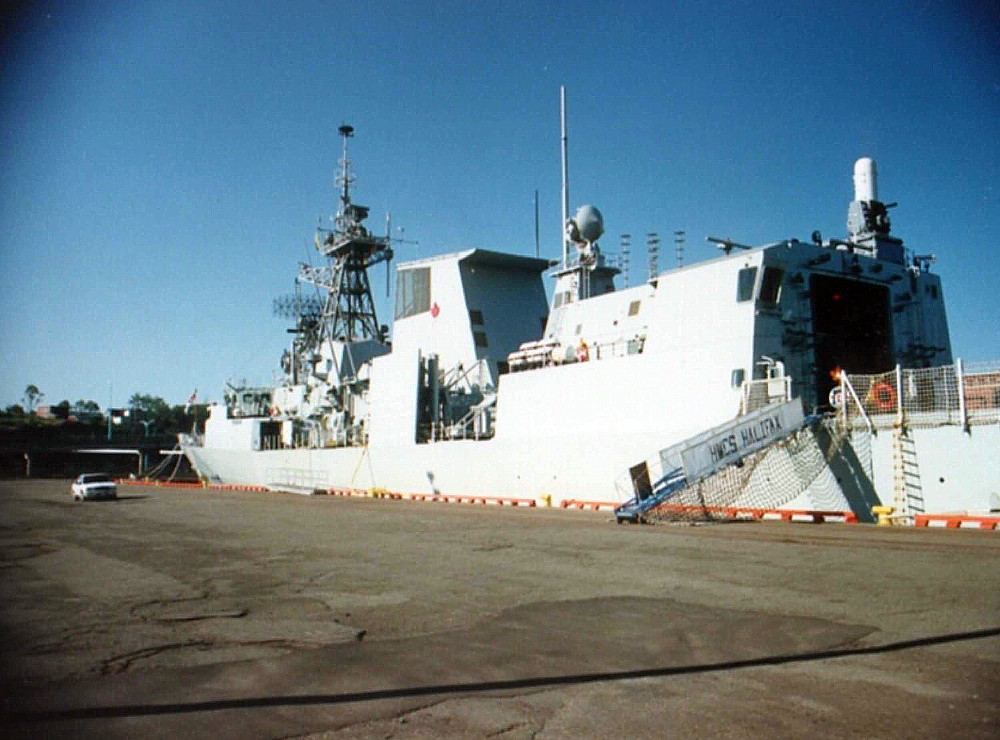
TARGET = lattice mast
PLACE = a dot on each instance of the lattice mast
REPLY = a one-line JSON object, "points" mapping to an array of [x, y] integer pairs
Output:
{"points": [[349, 311]]}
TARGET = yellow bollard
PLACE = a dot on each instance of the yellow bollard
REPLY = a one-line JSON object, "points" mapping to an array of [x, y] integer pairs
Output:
{"points": [[546, 499], [884, 514]]}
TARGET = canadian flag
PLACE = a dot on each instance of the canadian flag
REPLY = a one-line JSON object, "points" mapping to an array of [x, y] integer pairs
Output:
{"points": [[191, 400]]}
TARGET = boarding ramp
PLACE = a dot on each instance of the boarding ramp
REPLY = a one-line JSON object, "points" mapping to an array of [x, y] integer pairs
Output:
{"points": [[703, 476]]}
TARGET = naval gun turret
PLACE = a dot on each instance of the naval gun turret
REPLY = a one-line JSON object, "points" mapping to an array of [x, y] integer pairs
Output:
{"points": [[868, 218]]}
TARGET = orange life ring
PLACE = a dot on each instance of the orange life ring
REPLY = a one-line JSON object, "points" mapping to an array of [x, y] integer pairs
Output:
{"points": [[884, 395]]}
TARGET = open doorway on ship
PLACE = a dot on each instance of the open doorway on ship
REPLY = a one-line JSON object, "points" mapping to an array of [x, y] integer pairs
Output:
{"points": [[851, 328]]}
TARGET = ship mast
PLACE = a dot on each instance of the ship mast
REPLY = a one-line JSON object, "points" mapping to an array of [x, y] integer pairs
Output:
{"points": [[585, 273], [343, 310], [349, 311]]}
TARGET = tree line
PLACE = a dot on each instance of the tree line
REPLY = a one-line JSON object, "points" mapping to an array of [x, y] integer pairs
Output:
{"points": [[144, 415]]}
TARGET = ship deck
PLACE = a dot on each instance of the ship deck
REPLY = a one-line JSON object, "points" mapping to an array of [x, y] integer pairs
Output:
{"points": [[192, 612]]}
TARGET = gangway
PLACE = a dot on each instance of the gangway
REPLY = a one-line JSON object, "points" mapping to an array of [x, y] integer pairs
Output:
{"points": [[632, 510], [705, 454]]}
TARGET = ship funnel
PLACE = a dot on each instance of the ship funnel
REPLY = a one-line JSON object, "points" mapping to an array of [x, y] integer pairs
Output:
{"points": [[865, 187]]}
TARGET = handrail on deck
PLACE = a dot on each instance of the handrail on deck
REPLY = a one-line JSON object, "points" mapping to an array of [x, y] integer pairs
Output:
{"points": [[945, 395]]}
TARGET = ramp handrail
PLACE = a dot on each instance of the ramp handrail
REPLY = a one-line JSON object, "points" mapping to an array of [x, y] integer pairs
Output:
{"points": [[845, 385]]}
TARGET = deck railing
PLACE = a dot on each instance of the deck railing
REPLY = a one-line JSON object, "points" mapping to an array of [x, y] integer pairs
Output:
{"points": [[957, 394]]}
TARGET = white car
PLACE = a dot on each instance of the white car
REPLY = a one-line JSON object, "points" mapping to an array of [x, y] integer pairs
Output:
{"points": [[94, 485]]}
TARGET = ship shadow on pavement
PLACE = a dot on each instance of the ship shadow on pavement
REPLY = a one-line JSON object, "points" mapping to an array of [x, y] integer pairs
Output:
{"points": [[525, 648]]}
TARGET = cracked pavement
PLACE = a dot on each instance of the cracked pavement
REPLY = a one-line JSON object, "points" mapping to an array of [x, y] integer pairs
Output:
{"points": [[220, 614]]}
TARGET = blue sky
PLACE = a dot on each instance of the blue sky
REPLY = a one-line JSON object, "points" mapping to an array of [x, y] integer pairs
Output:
{"points": [[165, 163]]}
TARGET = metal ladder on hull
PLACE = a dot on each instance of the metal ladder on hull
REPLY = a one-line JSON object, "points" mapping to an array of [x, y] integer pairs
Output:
{"points": [[908, 493]]}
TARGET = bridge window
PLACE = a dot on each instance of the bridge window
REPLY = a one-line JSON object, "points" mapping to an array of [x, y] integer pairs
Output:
{"points": [[744, 284], [413, 292]]}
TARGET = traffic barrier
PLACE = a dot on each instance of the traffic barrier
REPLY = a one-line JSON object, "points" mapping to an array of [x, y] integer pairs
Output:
{"points": [[818, 517], [787, 515], [957, 521], [459, 499], [182, 484], [733, 512], [431, 497], [346, 492], [157, 483], [572, 503], [529, 502]]}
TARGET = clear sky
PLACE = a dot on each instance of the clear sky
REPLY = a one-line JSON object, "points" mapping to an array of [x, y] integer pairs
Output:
{"points": [[164, 164]]}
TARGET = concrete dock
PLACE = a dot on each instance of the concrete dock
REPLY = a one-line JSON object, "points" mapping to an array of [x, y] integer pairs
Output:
{"points": [[236, 614]]}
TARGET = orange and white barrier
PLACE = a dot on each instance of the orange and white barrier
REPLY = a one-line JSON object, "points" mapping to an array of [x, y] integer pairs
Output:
{"points": [[157, 483], [787, 515], [572, 503], [431, 497], [485, 500], [179, 484], [733, 512], [957, 521]]}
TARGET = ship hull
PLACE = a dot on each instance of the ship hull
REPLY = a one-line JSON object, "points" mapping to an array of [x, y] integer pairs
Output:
{"points": [[956, 470]]}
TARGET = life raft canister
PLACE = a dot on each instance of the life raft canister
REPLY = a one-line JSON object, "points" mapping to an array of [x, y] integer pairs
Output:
{"points": [[884, 396]]}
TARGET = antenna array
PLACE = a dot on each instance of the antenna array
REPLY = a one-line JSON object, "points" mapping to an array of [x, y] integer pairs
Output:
{"points": [[653, 247], [625, 257]]}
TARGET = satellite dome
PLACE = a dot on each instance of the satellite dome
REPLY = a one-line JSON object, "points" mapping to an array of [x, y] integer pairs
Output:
{"points": [[589, 223]]}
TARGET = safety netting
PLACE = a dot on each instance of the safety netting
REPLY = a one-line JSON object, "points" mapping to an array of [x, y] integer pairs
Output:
{"points": [[925, 397], [773, 477]]}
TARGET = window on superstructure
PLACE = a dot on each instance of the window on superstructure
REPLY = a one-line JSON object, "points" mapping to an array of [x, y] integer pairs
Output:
{"points": [[479, 337], [475, 317], [413, 292], [633, 308], [745, 280], [770, 284]]}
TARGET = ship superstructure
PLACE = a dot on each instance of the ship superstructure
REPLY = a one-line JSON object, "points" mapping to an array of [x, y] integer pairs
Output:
{"points": [[322, 400], [490, 389]]}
